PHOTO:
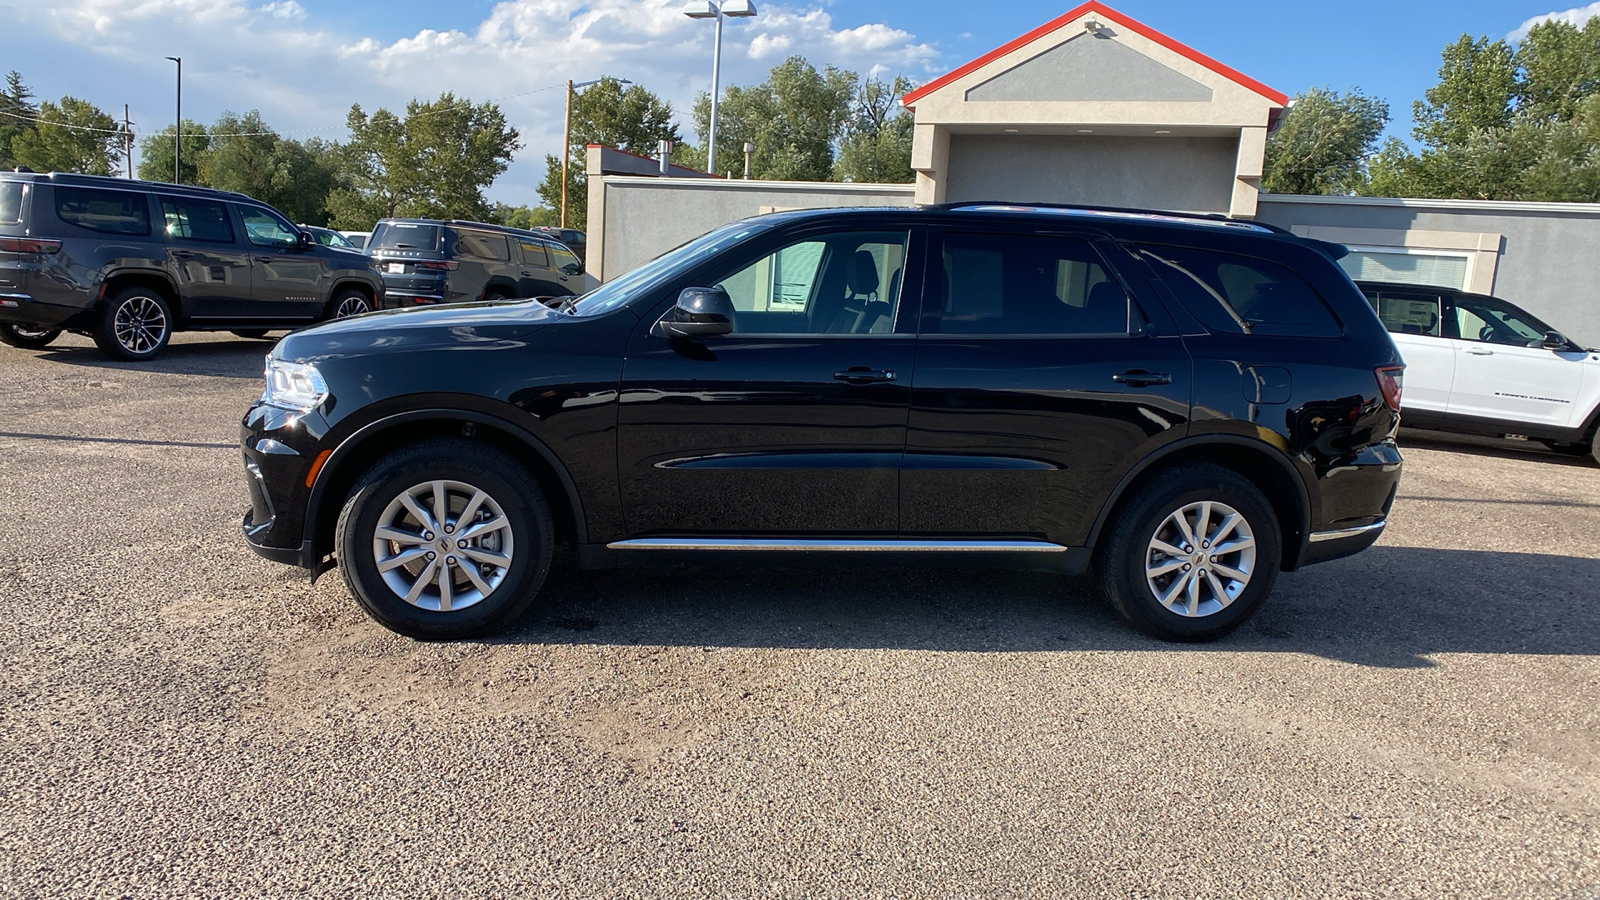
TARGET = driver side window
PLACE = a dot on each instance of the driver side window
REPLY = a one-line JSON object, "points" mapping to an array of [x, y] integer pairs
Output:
{"points": [[1489, 324], [264, 229], [827, 284]]}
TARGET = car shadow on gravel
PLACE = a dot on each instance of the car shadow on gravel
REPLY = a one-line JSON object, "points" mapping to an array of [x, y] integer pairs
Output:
{"points": [[1499, 448], [237, 358], [1390, 607]]}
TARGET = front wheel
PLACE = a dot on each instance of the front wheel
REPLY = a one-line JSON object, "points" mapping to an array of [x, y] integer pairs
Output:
{"points": [[1191, 554], [445, 539], [134, 326], [26, 337]]}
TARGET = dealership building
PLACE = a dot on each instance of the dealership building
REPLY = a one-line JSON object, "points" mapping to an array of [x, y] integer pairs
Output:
{"points": [[1097, 108]]}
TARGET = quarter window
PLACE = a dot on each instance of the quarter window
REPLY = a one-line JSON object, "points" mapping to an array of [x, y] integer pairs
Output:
{"points": [[196, 220], [1241, 294], [1026, 285], [264, 229], [829, 284], [108, 212], [482, 245]]}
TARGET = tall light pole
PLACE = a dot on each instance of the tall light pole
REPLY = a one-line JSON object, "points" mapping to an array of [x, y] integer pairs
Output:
{"points": [[716, 9], [177, 128], [566, 139]]}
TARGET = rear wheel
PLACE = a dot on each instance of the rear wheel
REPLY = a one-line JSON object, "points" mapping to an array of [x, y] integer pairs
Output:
{"points": [[349, 302], [1191, 554], [135, 325], [27, 337], [251, 333], [445, 539]]}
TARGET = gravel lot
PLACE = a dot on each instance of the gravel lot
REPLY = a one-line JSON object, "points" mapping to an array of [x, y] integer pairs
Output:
{"points": [[180, 718]]}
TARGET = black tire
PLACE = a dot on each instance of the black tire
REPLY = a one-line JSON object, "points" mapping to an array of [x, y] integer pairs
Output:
{"points": [[349, 302], [28, 338], [512, 493], [1594, 445], [135, 325], [254, 334], [1126, 549]]}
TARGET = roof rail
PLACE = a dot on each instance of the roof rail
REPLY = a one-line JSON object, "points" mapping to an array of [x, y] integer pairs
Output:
{"points": [[1119, 210], [115, 181]]}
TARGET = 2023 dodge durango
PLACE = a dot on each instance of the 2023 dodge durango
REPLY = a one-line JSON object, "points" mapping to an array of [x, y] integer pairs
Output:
{"points": [[131, 262], [1187, 405]]}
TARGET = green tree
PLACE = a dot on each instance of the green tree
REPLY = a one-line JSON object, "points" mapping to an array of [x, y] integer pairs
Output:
{"points": [[525, 216], [793, 118], [72, 136], [155, 153], [876, 144], [634, 120], [248, 156], [1559, 67], [1477, 83], [434, 163], [1322, 142], [16, 115]]}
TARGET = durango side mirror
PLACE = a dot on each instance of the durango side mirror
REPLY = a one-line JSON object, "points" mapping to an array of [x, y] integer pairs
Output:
{"points": [[700, 312]]}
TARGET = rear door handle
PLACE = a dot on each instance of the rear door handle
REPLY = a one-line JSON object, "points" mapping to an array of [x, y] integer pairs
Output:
{"points": [[864, 375], [1480, 351], [182, 254], [1141, 378]]}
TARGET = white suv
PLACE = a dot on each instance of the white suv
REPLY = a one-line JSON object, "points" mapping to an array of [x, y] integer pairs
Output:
{"points": [[1480, 365]]}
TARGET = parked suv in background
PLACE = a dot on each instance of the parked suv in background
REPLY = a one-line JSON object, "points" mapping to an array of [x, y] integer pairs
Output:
{"points": [[427, 261], [130, 262], [1189, 405], [1479, 365]]}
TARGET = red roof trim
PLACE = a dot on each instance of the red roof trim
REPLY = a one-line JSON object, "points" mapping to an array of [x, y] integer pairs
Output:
{"points": [[1094, 6]]}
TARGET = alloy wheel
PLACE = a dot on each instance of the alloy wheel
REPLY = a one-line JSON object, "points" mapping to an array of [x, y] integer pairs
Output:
{"points": [[140, 325], [353, 305], [443, 545], [1200, 559]]}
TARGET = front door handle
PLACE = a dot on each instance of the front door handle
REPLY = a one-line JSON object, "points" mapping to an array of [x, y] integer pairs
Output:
{"points": [[182, 254], [1141, 378], [1480, 351], [864, 375], [527, 274]]}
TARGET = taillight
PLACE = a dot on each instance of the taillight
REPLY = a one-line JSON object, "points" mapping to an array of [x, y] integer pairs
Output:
{"points": [[28, 245], [1390, 381], [435, 265]]}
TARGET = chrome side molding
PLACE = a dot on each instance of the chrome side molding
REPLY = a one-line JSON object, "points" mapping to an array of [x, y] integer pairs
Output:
{"points": [[834, 545], [1318, 537]]}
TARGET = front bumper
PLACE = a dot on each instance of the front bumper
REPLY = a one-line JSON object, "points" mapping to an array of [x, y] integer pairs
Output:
{"points": [[280, 454]]}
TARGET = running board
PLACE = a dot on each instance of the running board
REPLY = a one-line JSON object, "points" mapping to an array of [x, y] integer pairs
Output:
{"points": [[835, 545]]}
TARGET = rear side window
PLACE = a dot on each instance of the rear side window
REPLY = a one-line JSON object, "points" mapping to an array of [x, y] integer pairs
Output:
{"points": [[1234, 294], [482, 245], [533, 254], [1027, 285], [196, 220], [1407, 314], [407, 236], [10, 202], [108, 212]]}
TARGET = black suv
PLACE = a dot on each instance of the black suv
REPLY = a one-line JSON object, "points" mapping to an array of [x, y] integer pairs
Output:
{"points": [[426, 261], [130, 262], [1188, 405]]}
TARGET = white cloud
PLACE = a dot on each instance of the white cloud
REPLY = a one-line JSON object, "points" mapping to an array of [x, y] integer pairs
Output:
{"points": [[1578, 15], [275, 57]]}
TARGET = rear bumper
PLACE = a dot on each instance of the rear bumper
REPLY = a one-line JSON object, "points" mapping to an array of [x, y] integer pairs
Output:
{"points": [[1323, 546], [17, 308]]}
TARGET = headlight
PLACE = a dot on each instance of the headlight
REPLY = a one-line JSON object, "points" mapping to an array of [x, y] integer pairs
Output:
{"points": [[294, 386]]}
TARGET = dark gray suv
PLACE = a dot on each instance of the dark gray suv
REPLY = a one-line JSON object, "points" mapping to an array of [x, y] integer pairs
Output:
{"points": [[427, 261], [130, 262]]}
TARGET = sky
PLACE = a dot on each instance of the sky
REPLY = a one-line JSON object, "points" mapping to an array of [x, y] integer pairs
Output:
{"points": [[302, 63]]}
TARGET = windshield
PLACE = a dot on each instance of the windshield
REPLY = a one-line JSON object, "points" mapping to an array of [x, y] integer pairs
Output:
{"points": [[620, 290], [407, 236]]}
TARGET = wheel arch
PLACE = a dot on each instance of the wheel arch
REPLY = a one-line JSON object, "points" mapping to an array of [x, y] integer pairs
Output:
{"points": [[1284, 486], [356, 284], [117, 282], [355, 454]]}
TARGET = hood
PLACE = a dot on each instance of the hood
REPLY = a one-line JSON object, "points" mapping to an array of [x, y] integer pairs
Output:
{"points": [[398, 330]]}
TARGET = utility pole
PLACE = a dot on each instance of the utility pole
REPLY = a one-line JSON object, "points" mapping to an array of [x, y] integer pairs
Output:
{"points": [[127, 140], [177, 128], [566, 151]]}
